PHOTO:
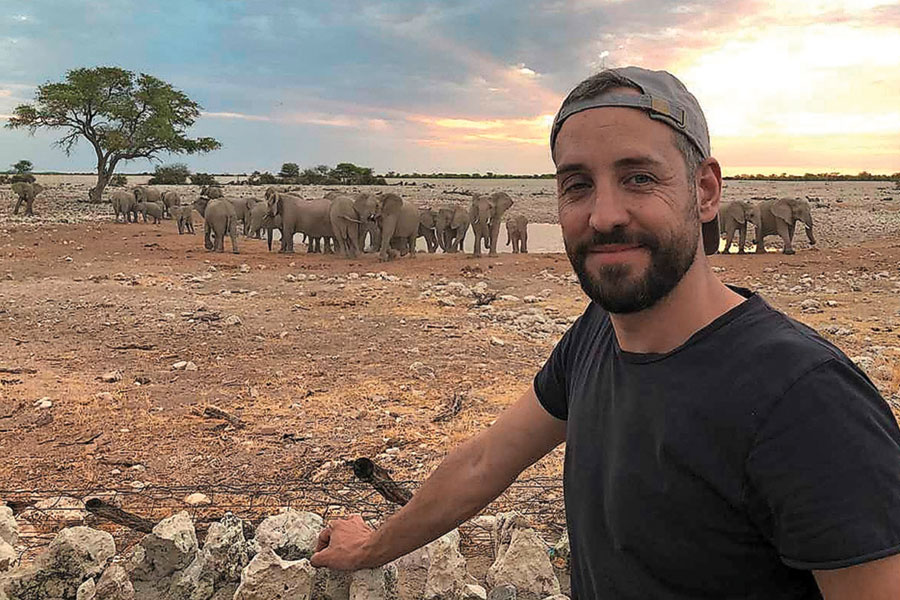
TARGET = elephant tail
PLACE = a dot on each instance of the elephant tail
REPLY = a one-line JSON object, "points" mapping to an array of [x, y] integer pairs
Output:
{"points": [[508, 238]]}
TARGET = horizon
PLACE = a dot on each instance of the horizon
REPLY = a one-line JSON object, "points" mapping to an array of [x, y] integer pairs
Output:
{"points": [[310, 84]]}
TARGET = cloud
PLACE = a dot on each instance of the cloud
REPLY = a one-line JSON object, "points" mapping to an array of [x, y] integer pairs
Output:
{"points": [[234, 115]]}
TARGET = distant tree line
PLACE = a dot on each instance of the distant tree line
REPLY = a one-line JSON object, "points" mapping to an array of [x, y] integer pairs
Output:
{"points": [[342, 174], [488, 175], [832, 176]]}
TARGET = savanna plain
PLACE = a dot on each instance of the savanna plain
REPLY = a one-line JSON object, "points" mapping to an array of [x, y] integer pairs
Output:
{"points": [[319, 359]]}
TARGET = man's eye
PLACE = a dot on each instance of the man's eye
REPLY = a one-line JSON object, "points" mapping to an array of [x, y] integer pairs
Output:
{"points": [[575, 186], [639, 179]]}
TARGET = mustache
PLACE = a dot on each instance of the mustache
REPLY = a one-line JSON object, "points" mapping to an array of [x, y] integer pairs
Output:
{"points": [[617, 235]]}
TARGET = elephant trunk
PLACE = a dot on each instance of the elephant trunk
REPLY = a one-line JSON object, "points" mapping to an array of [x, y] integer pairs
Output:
{"points": [[809, 234]]}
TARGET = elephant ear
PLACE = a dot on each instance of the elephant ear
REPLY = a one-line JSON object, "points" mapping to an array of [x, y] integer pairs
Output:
{"points": [[363, 206], [735, 211], [500, 203], [460, 217], [391, 204], [782, 210]]}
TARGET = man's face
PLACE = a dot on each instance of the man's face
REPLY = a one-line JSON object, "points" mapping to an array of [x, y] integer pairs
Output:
{"points": [[627, 207]]}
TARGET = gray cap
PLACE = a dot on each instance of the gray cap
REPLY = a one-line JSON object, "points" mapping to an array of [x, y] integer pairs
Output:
{"points": [[665, 99]]}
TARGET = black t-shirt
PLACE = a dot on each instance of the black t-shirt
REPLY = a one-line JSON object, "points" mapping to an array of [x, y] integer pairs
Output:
{"points": [[727, 468]]}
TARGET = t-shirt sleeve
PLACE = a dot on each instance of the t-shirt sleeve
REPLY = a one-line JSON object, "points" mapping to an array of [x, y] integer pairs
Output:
{"points": [[551, 382], [824, 471]]}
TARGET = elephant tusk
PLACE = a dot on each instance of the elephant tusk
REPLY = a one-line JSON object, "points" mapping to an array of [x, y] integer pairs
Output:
{"points": [[352, 220]]}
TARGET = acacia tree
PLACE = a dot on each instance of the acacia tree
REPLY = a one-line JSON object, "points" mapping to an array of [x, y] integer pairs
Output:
{"points": [[122, 115]]}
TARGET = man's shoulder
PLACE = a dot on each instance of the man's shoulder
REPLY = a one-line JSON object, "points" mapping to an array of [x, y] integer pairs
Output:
{"points": [[780, 349]]}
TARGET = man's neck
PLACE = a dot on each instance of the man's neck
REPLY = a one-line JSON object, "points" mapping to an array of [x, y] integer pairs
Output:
{"points": [[698, 299]]}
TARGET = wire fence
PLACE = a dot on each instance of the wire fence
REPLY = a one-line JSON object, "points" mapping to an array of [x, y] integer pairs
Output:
{"points": [[41, 513]]}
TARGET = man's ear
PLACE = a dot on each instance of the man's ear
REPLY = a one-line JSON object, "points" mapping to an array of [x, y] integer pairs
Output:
{"points": [[708, 180]]}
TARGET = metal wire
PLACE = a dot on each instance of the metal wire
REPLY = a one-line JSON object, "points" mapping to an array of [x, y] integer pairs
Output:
{"points": [[43, 512]]}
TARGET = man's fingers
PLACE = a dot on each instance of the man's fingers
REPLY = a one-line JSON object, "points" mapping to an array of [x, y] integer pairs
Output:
{"points": [[323, 539]]}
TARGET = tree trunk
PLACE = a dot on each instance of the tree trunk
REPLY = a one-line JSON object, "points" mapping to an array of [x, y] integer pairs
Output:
{"points": [[96, 193]]}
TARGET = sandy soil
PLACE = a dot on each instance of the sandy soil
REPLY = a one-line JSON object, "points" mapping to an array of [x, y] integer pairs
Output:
{"points": [[325, 359]]}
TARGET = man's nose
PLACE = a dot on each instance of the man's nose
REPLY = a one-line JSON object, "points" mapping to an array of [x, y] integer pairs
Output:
{"points": [[607, 210]]}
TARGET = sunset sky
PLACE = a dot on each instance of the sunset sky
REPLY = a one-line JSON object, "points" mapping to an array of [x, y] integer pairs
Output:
{"points": [[468, 85]]}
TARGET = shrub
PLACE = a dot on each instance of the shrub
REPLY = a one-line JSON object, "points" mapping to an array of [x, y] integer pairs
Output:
{"points": [[203, 179], [23, 177], [174, 174], [118, 180]]}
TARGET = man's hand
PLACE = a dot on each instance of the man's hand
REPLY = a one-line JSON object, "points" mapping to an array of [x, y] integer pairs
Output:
{"points": [[344, 545]]}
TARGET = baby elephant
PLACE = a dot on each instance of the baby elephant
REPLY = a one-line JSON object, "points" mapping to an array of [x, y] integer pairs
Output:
{"points": [[184, 215], [517, 233], [153, 208]]}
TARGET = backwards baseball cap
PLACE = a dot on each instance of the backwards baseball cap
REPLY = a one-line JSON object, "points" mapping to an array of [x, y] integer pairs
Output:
{"points": [[664, 98]]}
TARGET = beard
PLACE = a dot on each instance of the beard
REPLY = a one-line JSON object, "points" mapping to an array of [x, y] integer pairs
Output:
{"points": [[618, 288]]}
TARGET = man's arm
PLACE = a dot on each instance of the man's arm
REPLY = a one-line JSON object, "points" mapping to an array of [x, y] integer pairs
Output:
{"points": [[875, 580], [471, 476]]}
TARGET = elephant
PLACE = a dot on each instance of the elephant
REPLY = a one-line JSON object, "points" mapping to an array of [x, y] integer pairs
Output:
{"points": [[427, 223], [142, 193], [733, 216], [219, 219], [398, 219], [123, 203], [26, 193], [779, 216], [311, 217], [258, 214], [154, 209], [242, 207], [347, 213], [486, 214], [212, 192], [451, 225], [517, 233], [169, 199], [184, 215]]}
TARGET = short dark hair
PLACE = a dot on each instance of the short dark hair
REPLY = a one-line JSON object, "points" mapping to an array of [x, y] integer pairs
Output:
{"points": [[602, 82]]}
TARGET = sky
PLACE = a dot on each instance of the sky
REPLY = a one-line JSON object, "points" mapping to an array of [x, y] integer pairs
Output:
{"points": [[467, 85]]}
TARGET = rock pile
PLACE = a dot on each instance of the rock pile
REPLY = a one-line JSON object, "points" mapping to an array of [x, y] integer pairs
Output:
{"points": [[236, 563]]}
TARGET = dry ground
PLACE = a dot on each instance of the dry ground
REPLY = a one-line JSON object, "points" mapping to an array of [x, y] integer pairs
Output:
{"points": [[351, 363]]}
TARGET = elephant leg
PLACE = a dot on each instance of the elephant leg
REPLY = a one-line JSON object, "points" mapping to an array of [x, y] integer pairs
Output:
{"points": [[387, 232], [810, 236], [18, 204], [476, 250], [207, 236], [523, 242], [354, 246], [232, 232], [287, 235], [742, 237], [495, 235], [411, 241], [729, 237], [784, 231]]}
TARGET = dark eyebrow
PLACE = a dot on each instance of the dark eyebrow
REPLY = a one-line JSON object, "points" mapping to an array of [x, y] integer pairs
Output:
{"points": [[569, 168], [622, 163], [639, 161]]}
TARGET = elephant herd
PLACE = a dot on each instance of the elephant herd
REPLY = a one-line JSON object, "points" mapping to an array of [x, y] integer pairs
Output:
{"points": [[344, 223], [770, 216]]}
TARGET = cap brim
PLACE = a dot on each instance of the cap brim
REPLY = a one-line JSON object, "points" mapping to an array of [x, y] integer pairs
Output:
{"points": [[711, 236]]}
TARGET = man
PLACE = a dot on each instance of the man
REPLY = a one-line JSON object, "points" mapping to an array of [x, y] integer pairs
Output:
{"points": [[715, 448]]}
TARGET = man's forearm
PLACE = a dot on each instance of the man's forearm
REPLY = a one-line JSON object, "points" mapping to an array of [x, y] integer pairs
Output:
{"points": [[460, 487]]}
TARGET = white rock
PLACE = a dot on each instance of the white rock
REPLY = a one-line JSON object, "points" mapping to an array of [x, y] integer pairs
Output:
{"points": [[74, 555], [197, 499], [290, 278], [8, 557], [367, 584], [472, 591], [190, 366], [114, 584], [447, 571], [170, 547], [233, 320], [87, 590], [9, 528], [525, 565], [495, 341], [509, 298], [42, 403], [292, 533], [63, 509], [111, 377], [179, 366], [244, 268], [218, 566], [530, 299], [268, 577], [864, 362]]}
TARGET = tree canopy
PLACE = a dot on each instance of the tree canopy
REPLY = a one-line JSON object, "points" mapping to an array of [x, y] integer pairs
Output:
{"points": [[23, 166], [122, 115]]}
